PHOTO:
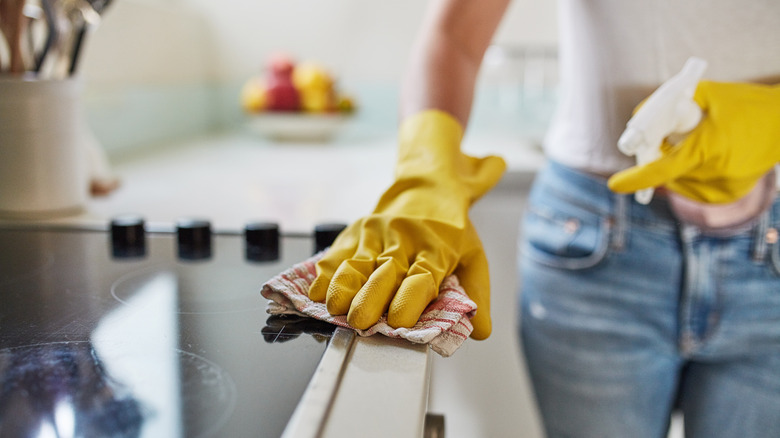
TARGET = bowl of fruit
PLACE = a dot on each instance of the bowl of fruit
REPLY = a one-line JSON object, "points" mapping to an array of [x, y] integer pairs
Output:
{"points": [[295, 102]]}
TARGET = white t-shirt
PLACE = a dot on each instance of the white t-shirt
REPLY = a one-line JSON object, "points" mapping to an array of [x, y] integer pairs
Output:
{"points": [[614, 53]]}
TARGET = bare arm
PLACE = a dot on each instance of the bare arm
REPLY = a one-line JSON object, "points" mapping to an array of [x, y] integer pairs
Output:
{"points": [[447, 55]]}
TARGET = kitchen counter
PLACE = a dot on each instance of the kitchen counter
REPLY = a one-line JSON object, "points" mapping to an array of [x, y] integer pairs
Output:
{"points": [[235, 177]]}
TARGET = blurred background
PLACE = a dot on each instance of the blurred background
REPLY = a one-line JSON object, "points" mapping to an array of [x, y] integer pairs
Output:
{"points": [[157, 70]]}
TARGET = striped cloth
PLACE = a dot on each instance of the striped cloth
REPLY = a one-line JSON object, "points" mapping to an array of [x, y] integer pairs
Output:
{"points": [[444, 325]]}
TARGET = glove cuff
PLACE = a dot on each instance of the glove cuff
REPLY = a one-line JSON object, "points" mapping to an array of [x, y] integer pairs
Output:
{"points": [[429, 152], [430, 135]]}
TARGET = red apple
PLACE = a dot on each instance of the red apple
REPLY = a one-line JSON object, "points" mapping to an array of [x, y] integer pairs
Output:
{"points": [[280, 64], [281, 95]]}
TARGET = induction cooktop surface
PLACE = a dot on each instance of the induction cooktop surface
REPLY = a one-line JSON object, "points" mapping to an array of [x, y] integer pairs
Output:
{"points": [[124, 331]]}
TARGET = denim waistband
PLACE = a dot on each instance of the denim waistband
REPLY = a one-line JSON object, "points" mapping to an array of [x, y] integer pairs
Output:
{"points": [[591, 192]]}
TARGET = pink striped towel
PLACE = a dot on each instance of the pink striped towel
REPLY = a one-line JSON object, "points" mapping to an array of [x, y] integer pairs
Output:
{"points": [[444, 325]]}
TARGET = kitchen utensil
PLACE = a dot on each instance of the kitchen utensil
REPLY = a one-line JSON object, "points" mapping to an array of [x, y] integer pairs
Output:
{"points": [[32, 14], [90, 20], [52, 33], [68, 18], [11, 24], [4, 53], [59, 28]]}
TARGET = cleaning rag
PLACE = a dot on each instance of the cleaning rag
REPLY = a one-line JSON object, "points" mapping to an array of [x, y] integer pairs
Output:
{"points": [[444, 325]]}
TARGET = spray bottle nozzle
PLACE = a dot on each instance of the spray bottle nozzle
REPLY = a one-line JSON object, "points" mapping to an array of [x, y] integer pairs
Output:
{"points": [[631, 141]]}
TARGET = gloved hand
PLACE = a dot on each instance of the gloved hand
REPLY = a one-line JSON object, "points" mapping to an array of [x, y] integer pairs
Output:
{"points": [[721, 160], [395, 259]]}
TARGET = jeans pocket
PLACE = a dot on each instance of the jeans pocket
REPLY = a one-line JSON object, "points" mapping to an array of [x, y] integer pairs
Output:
{"points": [[570, 239]]}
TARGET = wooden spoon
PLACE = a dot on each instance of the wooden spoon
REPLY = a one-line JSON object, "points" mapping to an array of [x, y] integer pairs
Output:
{"points": [[11, 24]]}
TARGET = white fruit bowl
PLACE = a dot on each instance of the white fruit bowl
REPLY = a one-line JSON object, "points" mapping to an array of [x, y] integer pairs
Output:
{"points": [[297, 127]]}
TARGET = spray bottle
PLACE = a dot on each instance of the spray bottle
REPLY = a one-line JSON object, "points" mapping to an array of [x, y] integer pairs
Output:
{"points": [[669, 112]]}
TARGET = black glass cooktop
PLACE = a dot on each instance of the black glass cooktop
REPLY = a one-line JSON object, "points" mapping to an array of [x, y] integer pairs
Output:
{"points": [[149, 333]]}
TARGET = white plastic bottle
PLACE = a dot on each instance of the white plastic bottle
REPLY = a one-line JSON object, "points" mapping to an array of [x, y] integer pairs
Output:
{"points": [[668, 112]]}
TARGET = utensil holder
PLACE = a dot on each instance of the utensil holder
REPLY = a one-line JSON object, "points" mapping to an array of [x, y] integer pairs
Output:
{"points": [[43, 170]]}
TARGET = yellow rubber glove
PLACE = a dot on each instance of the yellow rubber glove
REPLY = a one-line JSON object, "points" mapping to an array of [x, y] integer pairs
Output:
{"points": [[395, 259], [721, 160]]}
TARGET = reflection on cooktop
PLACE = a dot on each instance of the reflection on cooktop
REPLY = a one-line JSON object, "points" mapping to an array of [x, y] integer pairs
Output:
{"points": [[283, 328], [79, 389], [197, 290], [62, 389]]}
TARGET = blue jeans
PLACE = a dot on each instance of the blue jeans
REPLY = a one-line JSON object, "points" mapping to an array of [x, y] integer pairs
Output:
{"points": [[627, 316]]}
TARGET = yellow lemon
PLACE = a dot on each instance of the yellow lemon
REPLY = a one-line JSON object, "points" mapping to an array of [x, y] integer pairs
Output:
{"points": [[253, 96], [311, 76], [317, 100]]}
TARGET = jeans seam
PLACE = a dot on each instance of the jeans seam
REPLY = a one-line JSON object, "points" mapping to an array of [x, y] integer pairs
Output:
{"points": [[759, 238], [619, 223], [774, 257], [766, 249]]}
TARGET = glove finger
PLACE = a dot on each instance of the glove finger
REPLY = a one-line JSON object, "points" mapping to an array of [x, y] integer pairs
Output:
{"points": [[356, 242], [487, 172], [414, 294], [346, 282], [676, 161], [373, 299], [474, 277], [326, 267]]}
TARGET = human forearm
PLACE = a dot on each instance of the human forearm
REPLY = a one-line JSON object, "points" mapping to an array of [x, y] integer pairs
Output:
{"points": [[446, 58]]}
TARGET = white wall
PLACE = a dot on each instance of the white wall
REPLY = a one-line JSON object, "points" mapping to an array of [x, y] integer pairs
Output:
{"points": [[163, 40], [360, 39]]}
